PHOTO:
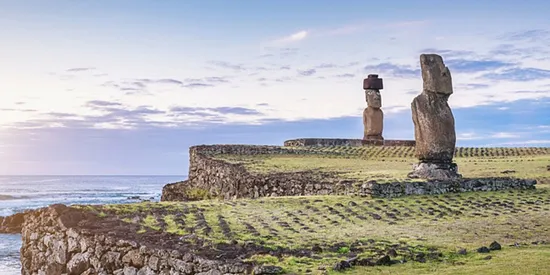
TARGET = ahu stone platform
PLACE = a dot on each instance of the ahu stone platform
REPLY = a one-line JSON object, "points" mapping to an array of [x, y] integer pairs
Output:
{"points": [[346, 142], [214, 177]]}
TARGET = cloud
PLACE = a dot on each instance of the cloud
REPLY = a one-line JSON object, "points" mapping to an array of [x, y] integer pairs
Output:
{"points": [[293, 37], [531, 35], [197, 85], [473, 66], [83, 69], [102, 103], [61, 115], [344, 75], [235, 110], [210, 111], [446, 53], [505, 135], [17, 110], [467, 136], [520, 52], [159, 81], [357, 27], [140, 85], [519, 74], [472, 86], [387, 68], [279, 52], [283, 79], [325, 66], [227, 65], [309, 72]]}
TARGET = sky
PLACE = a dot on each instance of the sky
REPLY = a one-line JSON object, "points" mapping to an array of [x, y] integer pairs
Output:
{"points": [[125, 87]]}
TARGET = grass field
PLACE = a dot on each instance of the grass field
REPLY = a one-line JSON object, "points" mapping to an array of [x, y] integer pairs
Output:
{"points": [[394, 163], [422, 234], [313, 233]]}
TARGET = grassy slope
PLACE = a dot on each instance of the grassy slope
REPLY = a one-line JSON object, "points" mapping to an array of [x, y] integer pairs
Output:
{"points": [[346, 226], [343, 226]]}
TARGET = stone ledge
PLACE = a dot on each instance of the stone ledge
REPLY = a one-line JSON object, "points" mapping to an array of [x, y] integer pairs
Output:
{"points": [[398, 189], [216, 178], [64, 240], [346, 142]]}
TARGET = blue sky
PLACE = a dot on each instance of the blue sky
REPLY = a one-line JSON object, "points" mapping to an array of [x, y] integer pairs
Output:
{"points": [[125, 87]]}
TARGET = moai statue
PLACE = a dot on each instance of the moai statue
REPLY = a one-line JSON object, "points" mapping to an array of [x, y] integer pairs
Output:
{"points": [[373, 117], [434, 125]]}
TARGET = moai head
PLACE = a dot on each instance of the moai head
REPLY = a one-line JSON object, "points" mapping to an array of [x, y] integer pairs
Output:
{"points": [[435, 76], [372, 86], [374, 100]]}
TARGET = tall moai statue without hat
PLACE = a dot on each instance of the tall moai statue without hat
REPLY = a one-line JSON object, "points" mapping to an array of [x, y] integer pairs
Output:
{"points": [[434, 124], [373, 117]]}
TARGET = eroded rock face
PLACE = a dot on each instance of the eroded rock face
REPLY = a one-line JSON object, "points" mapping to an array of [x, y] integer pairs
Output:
{"points": [[434, 125], [12, 224], [373, 117]]}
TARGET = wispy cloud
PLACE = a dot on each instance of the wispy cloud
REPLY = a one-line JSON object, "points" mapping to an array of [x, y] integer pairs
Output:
{"points": [[396, 70], [307, 72], [81, 69], [468, 136], [227, 65], [471, 86], [531, 35], [348, 29], [519, 74], [448, 53], [102, 103], [473, 66], [505, 135], [301, 35]]}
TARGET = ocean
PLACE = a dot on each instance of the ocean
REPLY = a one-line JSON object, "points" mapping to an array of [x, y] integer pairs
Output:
{"points": [[18, 193]]}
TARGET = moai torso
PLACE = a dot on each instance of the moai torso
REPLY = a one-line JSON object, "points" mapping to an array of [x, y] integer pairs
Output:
{"points": [[373, 117], [373, 122], [434, 125]]}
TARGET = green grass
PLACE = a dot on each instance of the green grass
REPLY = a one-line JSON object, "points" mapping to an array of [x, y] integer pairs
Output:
{"points": [[385, 164], [510, 261], [344, 226], [338, 227]]}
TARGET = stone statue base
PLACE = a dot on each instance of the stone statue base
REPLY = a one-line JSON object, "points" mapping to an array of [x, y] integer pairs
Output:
{"points": [[373, 137], [438, 171]]}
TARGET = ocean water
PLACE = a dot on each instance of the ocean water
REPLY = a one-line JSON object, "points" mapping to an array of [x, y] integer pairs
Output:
{"points": [[18, 193]]}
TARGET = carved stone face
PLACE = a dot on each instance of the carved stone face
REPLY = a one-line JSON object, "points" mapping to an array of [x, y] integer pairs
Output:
{"points": [[435, 76], [374, 99]]}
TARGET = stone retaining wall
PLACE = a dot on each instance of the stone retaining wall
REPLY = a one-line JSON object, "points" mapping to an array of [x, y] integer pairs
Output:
{"points": [[346, 142], [398, 189], [224, 180], [53, 244]]}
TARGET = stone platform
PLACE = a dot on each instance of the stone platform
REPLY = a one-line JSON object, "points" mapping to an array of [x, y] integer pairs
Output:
{"points": [[346, 142]]}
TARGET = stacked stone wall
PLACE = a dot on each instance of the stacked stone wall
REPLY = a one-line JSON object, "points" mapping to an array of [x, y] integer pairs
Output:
{"points": [[346, 142], [53, 244]]}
